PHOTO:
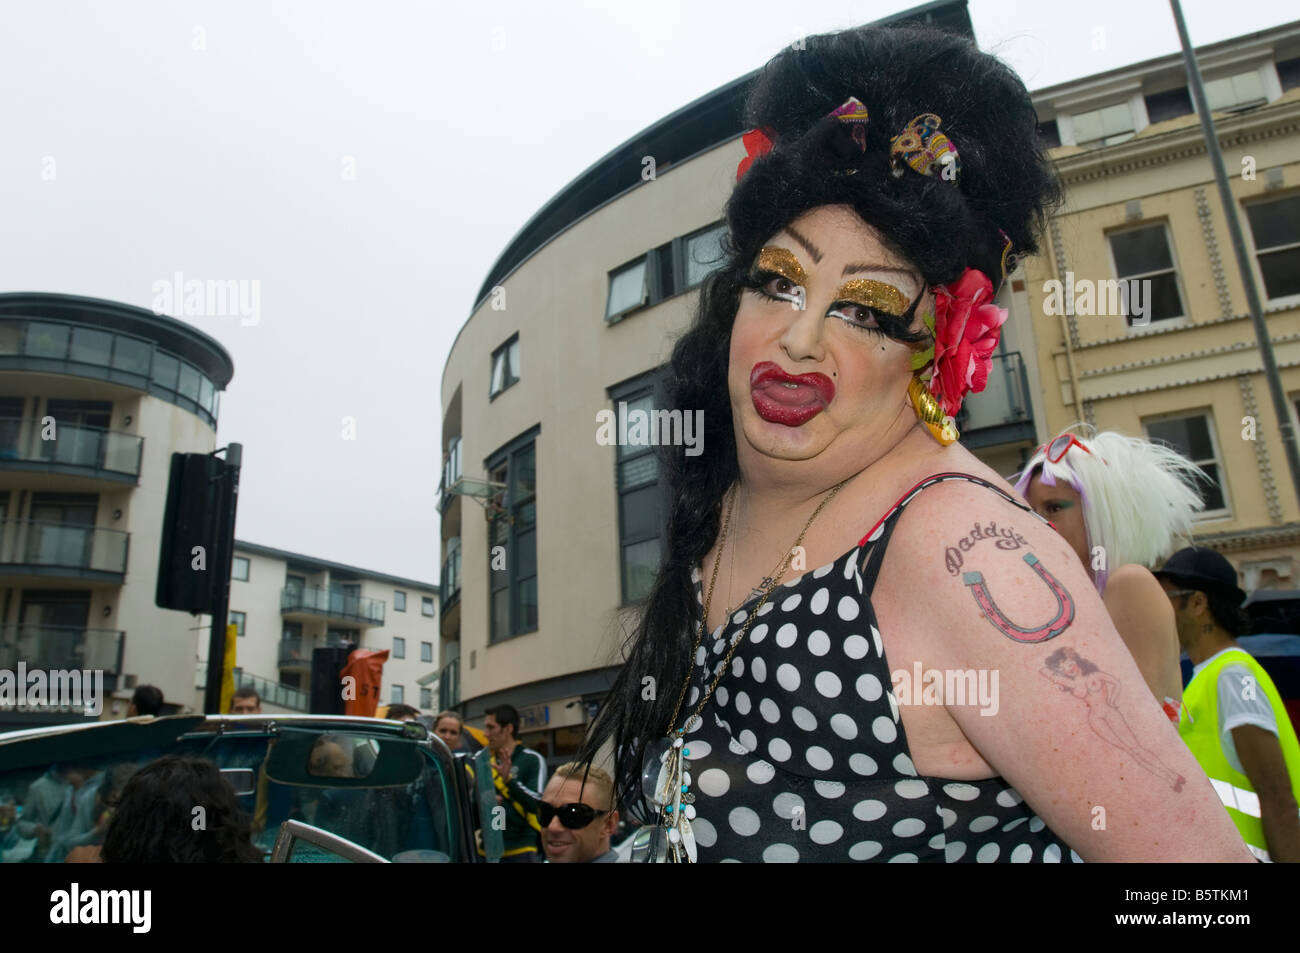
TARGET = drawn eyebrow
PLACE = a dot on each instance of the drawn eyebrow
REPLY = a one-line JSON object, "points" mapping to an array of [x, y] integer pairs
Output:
{"points": [[809, 246], [852, 269]]}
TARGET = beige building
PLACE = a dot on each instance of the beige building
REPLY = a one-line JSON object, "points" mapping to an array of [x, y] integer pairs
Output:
{"points": [[1143, 205], [284, 605], [95, 397]]}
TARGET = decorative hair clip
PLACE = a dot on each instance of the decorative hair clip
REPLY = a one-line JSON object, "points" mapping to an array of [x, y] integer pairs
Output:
{"points": [[854, 114], [1009, 260], [923, 147], [756, 143]]}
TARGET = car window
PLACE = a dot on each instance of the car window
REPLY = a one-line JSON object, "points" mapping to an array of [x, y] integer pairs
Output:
{"points": [[48, 810], [38, 822]]}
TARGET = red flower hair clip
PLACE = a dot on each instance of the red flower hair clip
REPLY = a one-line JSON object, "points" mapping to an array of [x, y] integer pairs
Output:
{"points": [[756, 144], [966, 327]]}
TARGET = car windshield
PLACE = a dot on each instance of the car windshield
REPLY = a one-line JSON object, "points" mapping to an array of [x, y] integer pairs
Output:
{"points": [[48, 810]]}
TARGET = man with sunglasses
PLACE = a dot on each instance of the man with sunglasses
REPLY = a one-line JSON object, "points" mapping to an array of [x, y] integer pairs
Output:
{"points": [[578, 818], [1233, 718]]}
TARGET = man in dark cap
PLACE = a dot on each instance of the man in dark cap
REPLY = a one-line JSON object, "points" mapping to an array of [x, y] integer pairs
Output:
{"points": [[1233, 718]]}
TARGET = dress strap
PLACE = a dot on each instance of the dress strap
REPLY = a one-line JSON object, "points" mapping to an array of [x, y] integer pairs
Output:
{"points": [[877, 538]]}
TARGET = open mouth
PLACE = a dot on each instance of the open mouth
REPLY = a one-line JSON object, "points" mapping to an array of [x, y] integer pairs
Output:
{"points": [[788, 399]]}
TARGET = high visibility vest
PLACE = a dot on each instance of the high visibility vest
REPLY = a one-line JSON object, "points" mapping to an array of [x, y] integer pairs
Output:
{"points": [[1198, 725]]}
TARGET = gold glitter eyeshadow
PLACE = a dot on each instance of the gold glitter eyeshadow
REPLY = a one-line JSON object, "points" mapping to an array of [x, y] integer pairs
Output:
{"points": [[783, 262], [873, 294]]}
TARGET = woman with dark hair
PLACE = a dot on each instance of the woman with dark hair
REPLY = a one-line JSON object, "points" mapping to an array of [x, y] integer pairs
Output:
{"points": [[179, 810], [834, 531]]}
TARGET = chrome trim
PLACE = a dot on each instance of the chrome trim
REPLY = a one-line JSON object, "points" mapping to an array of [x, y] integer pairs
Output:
{"points": [[293, 831]]}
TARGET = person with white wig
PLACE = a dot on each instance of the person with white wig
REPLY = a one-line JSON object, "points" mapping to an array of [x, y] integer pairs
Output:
{"points": [[1124, 504]]}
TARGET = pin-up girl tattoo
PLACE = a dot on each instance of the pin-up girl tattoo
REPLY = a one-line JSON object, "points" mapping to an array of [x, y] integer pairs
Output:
{"points": [[1073, 673]]}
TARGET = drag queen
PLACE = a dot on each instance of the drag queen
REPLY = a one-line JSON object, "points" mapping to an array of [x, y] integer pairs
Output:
{"points": [[890, 181]]}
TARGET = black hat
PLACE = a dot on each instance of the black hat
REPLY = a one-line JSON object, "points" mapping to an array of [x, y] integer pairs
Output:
{"points": [[1198, 567]]}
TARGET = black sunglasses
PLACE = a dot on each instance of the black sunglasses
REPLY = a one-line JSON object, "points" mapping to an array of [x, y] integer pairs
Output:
{"points": [[573, 816]]}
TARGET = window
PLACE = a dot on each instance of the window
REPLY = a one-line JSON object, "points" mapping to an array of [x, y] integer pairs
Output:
{"points": [[1288, 73], [1143, 254], [237, 619], [1235, 92], [1193, 437], [451, 467], [512, 581], [426, 606], [1275, 226], [1169, 104], [1049, 134], [505, 366], [704, 253], [399, 600], [426, 698], [642, 507], [1103, 127], [426, 651], [239, 569], [399, 647], [627, 289], [399, 695]]}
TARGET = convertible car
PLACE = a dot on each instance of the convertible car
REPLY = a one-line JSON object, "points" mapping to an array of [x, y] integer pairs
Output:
{"points": [[318, 788]]}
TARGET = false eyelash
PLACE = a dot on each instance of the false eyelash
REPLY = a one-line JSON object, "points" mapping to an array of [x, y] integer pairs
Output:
{"points": [[757, 282]]}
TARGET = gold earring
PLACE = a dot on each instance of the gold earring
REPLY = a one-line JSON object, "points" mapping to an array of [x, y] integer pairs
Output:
{"points": [[942, 427]]}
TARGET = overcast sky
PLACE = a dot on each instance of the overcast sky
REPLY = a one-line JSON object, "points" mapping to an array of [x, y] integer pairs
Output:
{"points": [[366, 162]]}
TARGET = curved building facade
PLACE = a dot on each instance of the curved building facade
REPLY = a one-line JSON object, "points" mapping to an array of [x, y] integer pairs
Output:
{"points": [[95, 397]]}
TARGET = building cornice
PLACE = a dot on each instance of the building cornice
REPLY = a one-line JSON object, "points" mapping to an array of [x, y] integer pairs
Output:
{"points": [[1245, 539], [1270, 121], [253, 549]]}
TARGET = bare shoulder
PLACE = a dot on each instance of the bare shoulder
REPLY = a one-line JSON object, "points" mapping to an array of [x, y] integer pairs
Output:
{"points": [[1132, 589]]}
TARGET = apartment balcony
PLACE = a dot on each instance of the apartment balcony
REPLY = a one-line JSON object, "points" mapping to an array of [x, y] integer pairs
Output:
{"points": [[74, 349], [1002, 412], [63, 647], [295, 655], [272, 693], [449, 684], [76, 459], [34, 551], [311, 604]]}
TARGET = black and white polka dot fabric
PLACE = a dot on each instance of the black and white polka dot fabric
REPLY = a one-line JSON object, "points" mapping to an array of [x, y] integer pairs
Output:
{"points": [[800, 754]]}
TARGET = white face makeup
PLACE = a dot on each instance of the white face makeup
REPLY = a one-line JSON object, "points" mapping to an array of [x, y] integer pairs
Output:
{"points": [[810, 371]]}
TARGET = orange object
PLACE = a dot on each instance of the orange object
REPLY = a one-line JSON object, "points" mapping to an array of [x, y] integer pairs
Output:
{"points": [[362, 679]]}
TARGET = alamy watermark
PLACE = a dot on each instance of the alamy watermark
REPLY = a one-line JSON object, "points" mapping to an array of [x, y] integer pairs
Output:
{"points": [[193, 298], [1129, 298], [52, 690], [651, 428], [947, 687]]}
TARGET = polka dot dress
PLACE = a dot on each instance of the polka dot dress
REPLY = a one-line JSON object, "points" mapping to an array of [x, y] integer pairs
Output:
{"points": [[800, 754]]}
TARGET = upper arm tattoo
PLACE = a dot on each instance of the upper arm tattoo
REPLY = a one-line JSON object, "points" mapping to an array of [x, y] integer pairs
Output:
{"points": [[1008, 538], [1073, 673]]}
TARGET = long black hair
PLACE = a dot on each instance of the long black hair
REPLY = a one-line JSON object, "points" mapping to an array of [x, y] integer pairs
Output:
{"points": [[1005, 182], [154, 822]]}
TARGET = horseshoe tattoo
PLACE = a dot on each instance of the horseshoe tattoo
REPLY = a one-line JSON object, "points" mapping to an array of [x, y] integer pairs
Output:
{"points": [[1048, 630]]}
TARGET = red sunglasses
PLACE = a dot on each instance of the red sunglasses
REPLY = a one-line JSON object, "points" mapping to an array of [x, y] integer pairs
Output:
{"points": [[1058, 448]]}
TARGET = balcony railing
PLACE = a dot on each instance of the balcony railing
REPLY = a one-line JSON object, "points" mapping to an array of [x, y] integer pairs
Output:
{"points": [[333, 604], [63, 647], [72, 446], [1001, 412], [450, 581], [42, 544], [66, 347], [273, 692], [293, 655], [449, 684]]}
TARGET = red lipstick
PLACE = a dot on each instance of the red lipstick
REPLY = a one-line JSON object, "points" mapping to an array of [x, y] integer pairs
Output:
{"points": [[788, 399]]}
